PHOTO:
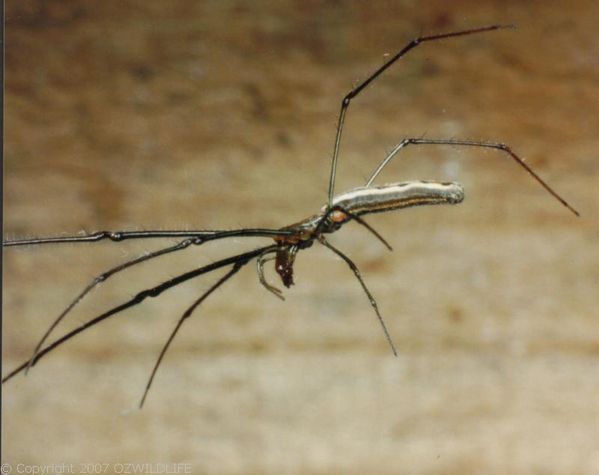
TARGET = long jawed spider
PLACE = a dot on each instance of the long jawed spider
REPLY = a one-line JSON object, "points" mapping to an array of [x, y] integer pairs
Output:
{"points": [[289, 240]]}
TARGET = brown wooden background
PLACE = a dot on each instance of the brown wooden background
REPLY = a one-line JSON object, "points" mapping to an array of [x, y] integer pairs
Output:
{"points": [[221, 114]]}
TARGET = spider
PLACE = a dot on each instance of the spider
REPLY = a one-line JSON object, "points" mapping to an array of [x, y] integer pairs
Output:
{"points": [[288, 240]]}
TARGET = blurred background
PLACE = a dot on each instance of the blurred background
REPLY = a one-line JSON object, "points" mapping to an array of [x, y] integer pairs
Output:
{"points": [[222, 114]]}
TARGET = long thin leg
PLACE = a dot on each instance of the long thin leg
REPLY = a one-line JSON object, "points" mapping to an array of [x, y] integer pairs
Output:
{"points": [[261, 277], [118, 236], [102, 278], [364, 84], [356, 272], [140, 297], [236, 267], [350, 216], [470, 143]]}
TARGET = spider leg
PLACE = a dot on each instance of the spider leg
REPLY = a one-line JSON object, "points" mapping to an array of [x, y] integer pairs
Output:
{"points": [[364, 84], [351, 216], [102, 278], [137, 299], [236, 267], [260, 270], [471, 143], [372, 300], [118, 236]]}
